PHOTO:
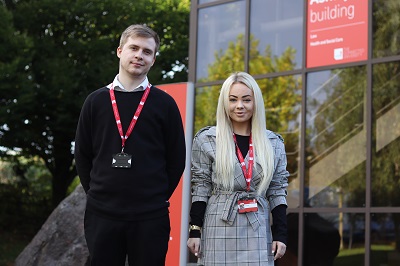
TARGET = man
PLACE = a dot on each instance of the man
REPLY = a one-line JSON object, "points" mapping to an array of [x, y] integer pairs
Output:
{"points": [[130, 155]]}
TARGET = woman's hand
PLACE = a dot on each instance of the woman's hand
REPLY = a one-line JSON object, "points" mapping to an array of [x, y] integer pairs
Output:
{"points": [[279, 249], [194, 245]]}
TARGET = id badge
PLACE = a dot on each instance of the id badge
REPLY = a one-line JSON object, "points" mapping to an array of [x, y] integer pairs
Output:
{"points": [[247, 205], [121, 160]]}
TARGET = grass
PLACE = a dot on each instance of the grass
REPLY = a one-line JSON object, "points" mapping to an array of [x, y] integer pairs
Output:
{"points": [[23, 210], [11, 245], [380, 255]]}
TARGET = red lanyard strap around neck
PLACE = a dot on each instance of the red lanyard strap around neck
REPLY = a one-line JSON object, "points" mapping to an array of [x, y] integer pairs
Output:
{"points": [[135, 116], [249, 171]]}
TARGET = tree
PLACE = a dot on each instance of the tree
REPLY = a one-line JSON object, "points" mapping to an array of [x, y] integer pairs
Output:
{"points": [[55, 52]]}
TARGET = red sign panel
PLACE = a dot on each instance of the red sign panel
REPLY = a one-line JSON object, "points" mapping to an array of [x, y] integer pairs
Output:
{"points": [[179, 92], [337, 32]]}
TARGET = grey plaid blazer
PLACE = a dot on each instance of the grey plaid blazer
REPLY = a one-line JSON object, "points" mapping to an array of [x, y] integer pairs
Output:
{"points": [[230, 238]]}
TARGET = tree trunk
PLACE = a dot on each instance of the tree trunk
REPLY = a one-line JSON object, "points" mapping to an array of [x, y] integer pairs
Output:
{"points": [[60, 186], [63, 175]]}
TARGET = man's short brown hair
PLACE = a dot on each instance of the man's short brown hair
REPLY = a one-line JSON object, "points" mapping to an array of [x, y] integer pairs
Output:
{"points": [[139, 30]]}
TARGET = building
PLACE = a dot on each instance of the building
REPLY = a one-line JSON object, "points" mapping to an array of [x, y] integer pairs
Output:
{"points": [[330, 73]]}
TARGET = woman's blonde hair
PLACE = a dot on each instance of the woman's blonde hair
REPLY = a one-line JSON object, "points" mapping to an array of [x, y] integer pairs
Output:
{"points": [[225, 150]]}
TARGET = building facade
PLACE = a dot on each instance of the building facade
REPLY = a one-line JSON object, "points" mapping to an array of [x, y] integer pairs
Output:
{"points": [[330, 75]]}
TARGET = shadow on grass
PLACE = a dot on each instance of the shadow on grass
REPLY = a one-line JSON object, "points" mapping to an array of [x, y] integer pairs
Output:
{"points": [[377, 258]]}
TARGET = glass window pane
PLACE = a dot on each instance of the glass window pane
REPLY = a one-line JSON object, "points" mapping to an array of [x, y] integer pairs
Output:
{"points": [[276, 30], [351, 227], [336, 138], [329, 239], [322, 239], [385, 239], [220, 47], [282, 98], [292, 247], [386, 135], [206, 101], [386, 35]]}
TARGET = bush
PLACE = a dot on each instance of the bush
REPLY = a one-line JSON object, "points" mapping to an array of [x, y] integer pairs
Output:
{"points": [[25, 202]]}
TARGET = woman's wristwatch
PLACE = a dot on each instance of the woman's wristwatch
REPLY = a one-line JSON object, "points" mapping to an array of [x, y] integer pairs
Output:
{"points": [[194, 231], [194, 227]]}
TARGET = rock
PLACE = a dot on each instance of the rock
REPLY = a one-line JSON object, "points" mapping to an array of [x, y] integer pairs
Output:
{"points": [[61, 239]]}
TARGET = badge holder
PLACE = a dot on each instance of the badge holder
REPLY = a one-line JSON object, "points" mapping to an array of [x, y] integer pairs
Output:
{"points": [[121, 160], [247, 205]]}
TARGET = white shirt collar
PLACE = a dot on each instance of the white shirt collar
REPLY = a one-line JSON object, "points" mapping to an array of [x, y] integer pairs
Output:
{"points": [[119, 87]]}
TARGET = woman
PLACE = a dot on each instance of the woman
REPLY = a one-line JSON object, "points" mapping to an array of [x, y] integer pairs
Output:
{"points": [[238, 176]]}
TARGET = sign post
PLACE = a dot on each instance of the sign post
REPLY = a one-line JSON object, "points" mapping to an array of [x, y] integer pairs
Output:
{"points": [[183, 93]]}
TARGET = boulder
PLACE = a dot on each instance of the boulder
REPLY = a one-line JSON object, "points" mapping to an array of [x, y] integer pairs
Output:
{"points": [[61, 239]]}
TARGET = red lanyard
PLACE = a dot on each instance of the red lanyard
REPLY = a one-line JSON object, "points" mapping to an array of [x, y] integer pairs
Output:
{"points": [[249, 171], [135, 116]]}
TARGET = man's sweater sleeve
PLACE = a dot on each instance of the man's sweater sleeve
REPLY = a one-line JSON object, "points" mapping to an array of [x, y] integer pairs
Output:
{"points": [[176, 148], [83, 146]]}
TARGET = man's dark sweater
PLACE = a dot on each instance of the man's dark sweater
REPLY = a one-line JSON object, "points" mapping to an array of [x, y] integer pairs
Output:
{"points": [[157, 146]]}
